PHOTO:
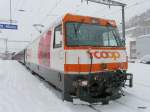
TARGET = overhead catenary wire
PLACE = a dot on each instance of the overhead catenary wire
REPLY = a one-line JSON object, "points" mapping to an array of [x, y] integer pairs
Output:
{"points": [[130, 6], [40, 7], [127, 7], [51, 11], [18, 4], [135, 4], [79, 8]]}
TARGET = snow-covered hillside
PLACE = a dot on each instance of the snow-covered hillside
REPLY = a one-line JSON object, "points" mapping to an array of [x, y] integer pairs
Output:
{"points": [[20, 91]]}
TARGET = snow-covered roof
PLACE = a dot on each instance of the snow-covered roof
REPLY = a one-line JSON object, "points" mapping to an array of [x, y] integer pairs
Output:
{"points": [[131, 28], [142, 36]]}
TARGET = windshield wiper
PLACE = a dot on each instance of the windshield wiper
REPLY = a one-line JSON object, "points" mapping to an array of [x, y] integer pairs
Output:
{"points": [[76, 28], [116, 38]]}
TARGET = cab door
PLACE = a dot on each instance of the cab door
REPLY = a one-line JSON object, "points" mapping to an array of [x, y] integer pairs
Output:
{"points": [[58, 54]]}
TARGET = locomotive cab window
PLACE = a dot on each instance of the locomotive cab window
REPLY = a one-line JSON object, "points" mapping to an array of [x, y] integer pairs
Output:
{"points": [[85, 34], [58, 37]]}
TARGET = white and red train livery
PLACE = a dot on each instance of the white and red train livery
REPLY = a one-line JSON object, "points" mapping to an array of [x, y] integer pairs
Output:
{"points": [[82, 56]]}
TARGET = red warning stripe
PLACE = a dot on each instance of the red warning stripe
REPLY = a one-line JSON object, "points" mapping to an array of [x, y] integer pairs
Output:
{"points": [[95, 67]]}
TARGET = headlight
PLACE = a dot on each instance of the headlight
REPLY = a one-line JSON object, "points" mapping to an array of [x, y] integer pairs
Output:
{"points": [[128, 77], [83, 83]]}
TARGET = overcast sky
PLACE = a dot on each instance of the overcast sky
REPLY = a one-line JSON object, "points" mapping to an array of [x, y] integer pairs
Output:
{"points": [[46, 11]]}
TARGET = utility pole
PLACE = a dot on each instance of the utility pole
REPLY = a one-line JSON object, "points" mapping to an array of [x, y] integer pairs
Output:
{"points": [[123, 23], [10, 12], [36, 27], [6, 41], [6, 46]]}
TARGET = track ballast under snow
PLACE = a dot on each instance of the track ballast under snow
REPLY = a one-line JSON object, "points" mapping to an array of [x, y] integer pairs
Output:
{"points": [[20, 91]]}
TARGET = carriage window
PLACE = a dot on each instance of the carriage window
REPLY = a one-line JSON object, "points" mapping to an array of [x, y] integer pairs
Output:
{"points": [[58, 37]]}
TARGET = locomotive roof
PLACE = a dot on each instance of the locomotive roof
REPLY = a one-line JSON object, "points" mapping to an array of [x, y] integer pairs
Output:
{"points": [[88, 19], [80, 18]]}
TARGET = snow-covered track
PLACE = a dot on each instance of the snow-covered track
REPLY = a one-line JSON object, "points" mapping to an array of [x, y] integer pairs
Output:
{"points": [[20, 91]]}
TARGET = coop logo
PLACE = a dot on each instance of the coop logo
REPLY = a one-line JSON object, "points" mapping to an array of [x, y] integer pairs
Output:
{"points": [[104, 54]]}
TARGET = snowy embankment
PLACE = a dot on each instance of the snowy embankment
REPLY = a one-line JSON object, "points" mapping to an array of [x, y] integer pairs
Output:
{"points": [[20, 91]]}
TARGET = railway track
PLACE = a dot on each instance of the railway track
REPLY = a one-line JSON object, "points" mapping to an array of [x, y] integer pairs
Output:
{"points": [[126, 105], [131, 107], [91, 106], [142, 104], [94, 108], [143, 85], [98, 107], [137, 97]]}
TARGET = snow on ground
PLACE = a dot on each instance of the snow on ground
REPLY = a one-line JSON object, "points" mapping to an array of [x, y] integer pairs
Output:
{"points": [[20, 91]]}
